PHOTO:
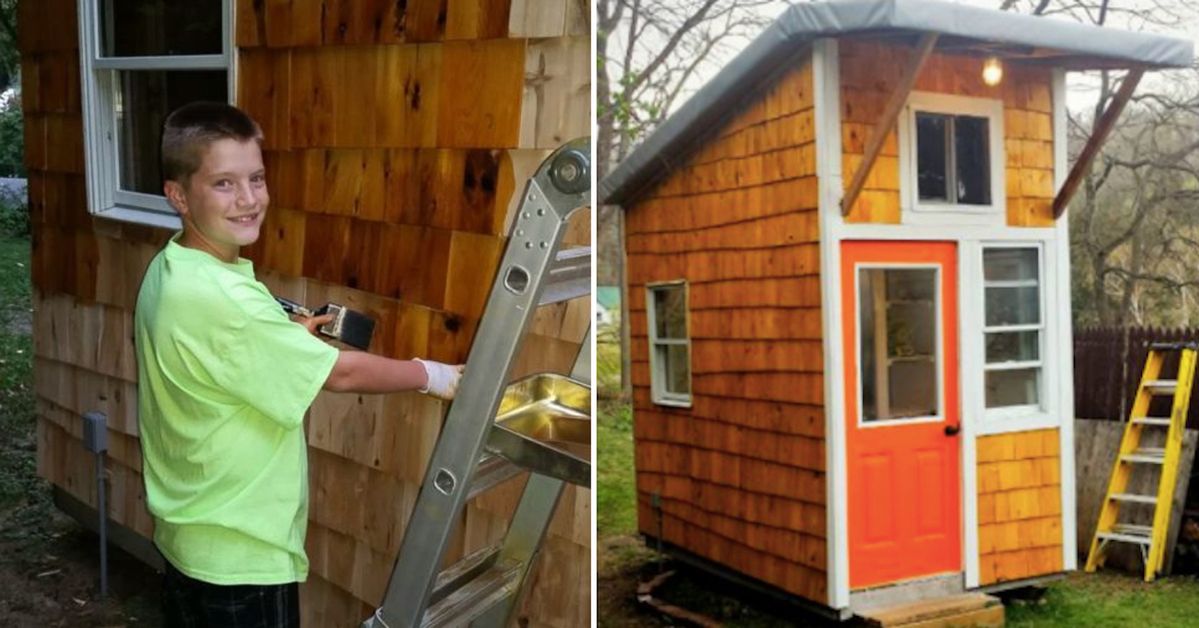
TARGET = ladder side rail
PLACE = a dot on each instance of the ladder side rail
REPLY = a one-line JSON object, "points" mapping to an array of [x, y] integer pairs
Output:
{"points": [[1109, 510], [1169, 471]]}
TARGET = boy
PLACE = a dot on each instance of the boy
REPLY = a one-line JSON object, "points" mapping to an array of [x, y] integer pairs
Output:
{"points": [[225, 380]]}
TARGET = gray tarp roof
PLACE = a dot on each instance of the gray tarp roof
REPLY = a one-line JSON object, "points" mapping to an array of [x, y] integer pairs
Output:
{"points": [[1071, 45]]}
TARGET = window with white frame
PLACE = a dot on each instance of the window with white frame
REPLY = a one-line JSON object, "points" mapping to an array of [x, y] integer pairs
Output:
{"points": [[898, 352], [140, 60], [951, 157], [1014, 329], [670, 344]]}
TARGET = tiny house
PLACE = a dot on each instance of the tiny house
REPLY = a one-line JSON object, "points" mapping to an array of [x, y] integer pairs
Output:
{"points": [[848, 290]]}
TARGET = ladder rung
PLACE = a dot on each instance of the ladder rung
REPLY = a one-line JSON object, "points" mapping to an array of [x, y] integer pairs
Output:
{"points": [[568, 275], [1149, 420], [1133, 529], [492, 471], [1125, 538], [475, 597], [1151, 455], [1161, 386], [1137, 499]]}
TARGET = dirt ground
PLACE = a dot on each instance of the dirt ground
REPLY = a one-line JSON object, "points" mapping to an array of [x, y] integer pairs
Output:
{"points": [[50, 565]]}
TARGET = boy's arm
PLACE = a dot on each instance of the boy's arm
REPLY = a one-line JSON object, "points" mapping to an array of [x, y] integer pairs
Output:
{"points": [[361, 372]]}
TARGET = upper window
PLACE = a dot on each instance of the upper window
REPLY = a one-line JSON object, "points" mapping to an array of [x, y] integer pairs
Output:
{"points": [[142, 59], [898, 328], [1014, 329], [951, 159], [670, 345]]}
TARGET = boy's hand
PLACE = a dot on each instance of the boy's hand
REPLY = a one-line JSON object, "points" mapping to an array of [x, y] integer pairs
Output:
{"points": [[312, 322], [442, 379]]}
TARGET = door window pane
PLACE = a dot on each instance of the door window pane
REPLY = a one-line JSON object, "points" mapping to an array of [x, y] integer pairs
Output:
{"points": [[149, 28], [898, 328], [144, 99]]}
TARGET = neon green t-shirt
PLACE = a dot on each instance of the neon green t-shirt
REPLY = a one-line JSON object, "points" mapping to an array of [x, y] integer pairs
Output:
{"points": [[224, 381]]}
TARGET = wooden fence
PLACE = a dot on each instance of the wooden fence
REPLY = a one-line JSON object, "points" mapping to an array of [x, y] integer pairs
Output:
{"points": [[1107, 368]]}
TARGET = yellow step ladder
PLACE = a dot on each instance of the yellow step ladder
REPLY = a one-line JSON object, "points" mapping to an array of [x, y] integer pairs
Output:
{"points": [[1150, 539]]}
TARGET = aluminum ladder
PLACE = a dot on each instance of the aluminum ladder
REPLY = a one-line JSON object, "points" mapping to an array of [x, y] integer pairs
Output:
{"points": [[1150, 539], [474, 452]]}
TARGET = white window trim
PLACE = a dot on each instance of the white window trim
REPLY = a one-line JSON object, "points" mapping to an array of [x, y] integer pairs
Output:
{"points": [[940, 366], [98, 84], [1024, 417], [657, 371], [913, 212]]}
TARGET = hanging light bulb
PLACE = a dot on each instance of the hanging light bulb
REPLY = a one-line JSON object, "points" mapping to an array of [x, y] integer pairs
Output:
{"points": [[992, 71]]}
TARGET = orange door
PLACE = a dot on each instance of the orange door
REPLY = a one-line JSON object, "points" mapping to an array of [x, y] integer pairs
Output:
{"points": [[900, 322]]}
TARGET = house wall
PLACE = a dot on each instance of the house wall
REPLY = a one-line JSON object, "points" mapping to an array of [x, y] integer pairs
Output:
{"points": [[1027, 122], [395, 145], [741, 472], [1019, 505]]}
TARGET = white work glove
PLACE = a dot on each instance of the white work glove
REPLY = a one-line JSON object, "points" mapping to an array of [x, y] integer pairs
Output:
{"points": [[442, 379]]}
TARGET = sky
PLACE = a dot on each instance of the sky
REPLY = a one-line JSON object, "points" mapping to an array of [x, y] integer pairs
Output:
{"points": [[1080, 87]]}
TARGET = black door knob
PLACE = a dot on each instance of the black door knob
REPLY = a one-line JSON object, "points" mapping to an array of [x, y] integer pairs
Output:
{"points": [[952, 430]]}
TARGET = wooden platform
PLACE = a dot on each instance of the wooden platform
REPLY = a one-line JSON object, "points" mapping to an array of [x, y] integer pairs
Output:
{"points": [[976, 610]]}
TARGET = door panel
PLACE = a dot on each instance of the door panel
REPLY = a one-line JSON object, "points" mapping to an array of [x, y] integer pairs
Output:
{"points": [[899, 307]]}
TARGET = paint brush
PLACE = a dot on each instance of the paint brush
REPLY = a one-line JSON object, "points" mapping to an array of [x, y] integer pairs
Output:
{"points": [[348, 326]]}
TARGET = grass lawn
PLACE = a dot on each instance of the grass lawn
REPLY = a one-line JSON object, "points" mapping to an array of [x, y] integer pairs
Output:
{"points": [[17, 460], [615, 497]]}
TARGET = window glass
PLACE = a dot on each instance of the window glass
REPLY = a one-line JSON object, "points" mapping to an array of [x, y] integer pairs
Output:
{"points": [[1013, 388], [898, 328], [152, 28], [953, 159], [972, 157], [670, 349], [932, 156], [1012, 296], [670, 312], [143, 101]]}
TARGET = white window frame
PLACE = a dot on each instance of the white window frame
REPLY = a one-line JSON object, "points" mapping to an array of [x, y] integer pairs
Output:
{"points": [[916, 212], [938, 315], [98, 76], [657, 370], [1030, 415]]}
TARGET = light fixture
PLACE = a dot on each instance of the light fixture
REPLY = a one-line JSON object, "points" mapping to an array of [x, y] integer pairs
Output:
{"points": [[992, 71]]}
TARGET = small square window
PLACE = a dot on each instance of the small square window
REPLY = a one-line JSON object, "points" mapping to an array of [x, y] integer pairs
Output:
{"points": [[670, 346], [953, 159]]}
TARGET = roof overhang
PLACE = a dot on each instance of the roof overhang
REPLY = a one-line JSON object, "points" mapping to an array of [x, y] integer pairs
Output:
{"points": [[962, 29]]}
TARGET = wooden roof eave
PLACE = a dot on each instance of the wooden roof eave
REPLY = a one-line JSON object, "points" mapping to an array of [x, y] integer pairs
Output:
{"points": [[1098, 136]]}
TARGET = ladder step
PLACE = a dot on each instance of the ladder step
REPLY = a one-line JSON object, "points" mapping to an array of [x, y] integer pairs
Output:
{"points": [[492, 471], [1161, 386], [1125, 538], [1149, 420], [1136, 499], [1150, 455], [475, 595], [1133, 529], [568, 275]]}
